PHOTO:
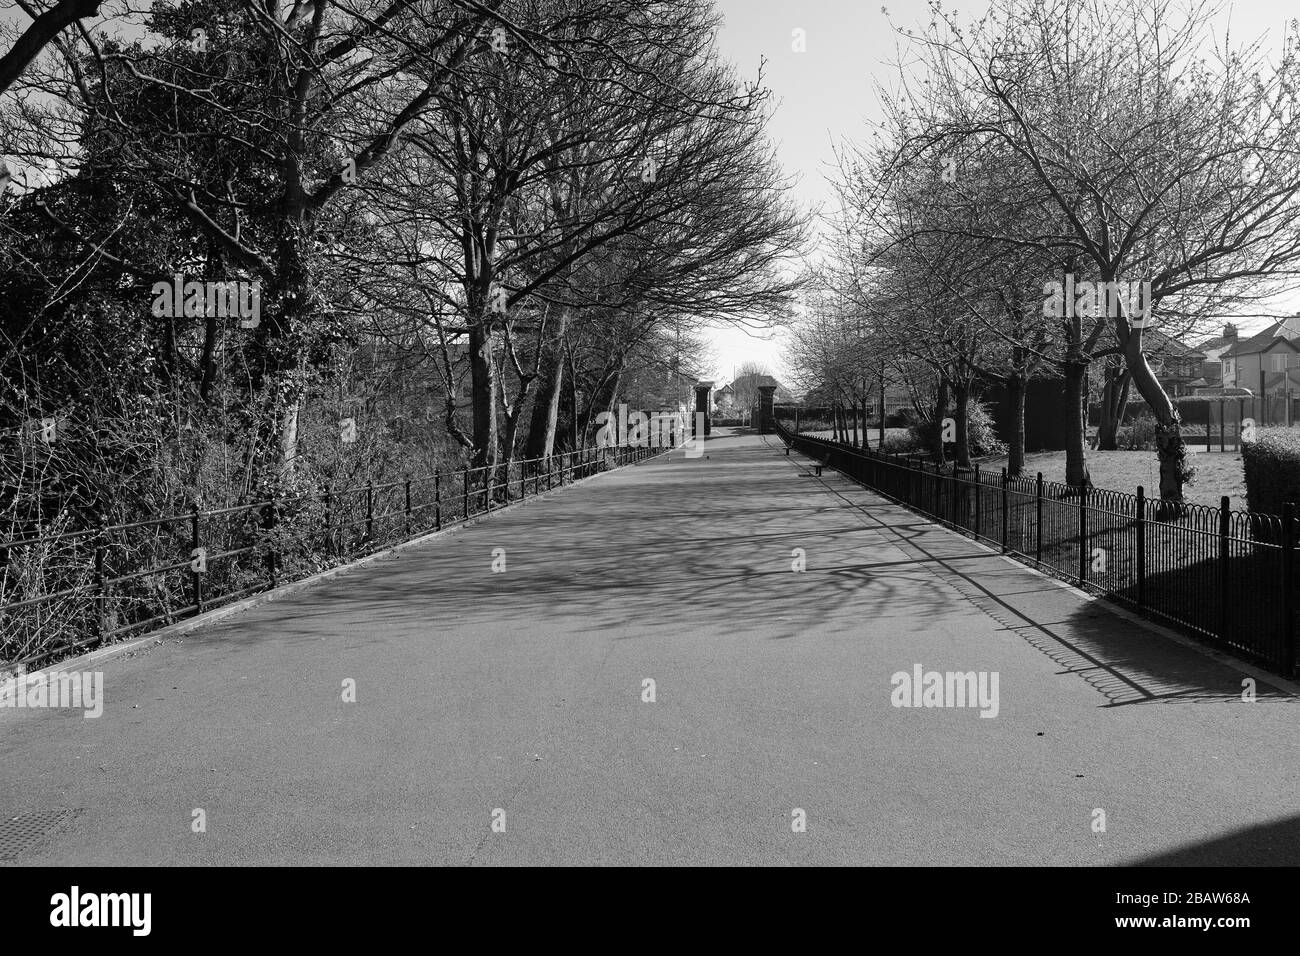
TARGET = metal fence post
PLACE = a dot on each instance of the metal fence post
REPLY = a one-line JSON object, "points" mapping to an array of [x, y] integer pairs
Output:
{"points": [[370, 510], [408, 507], [1006, 512], [1038, 519], [1288, 589], [1141, 532], [101, 588], [196, 578], [464, 475], [329, 517], [272, 523], [979, 486], [1225, 556], [437, 500], [1083, 533], [950, 483]]}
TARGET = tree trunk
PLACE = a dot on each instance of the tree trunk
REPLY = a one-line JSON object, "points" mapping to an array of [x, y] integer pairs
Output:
{"points": [[289, 429], [207, 360], [1114, 401], [936, 424], [961, 402], [1076, 454], [546, 412], [546, 406], [854, 405], [483, 388], [1174, 470], [508, 448], [602, 399], [1016, 447], [571, 389]]}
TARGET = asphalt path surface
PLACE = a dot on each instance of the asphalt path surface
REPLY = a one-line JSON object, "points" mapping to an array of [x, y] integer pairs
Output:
{"points": [[519, 696]]}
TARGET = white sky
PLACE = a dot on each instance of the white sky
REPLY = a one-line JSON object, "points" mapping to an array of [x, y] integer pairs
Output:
{"points": [[827, 93]]}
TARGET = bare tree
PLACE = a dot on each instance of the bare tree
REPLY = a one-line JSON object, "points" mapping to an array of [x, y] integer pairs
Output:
{"points": [[1157, 165]]}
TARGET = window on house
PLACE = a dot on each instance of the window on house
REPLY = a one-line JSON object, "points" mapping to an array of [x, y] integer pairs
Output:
{"points": [[1279, 363]]}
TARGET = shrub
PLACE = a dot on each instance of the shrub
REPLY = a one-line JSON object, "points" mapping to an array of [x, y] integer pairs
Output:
{"points": [[1139, 435], [1272, 466], [813, 424], [902, 418], [983, 436], [897, 444], [979, 425]]}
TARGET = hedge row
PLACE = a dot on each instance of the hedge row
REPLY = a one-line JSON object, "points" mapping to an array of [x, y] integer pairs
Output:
{"points": [[1272, 465]]}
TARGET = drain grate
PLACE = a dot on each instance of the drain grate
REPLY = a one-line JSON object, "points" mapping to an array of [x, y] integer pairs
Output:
{"points": [[29, 831]]}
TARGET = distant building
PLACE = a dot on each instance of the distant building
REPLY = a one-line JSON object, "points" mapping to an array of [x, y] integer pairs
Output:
{"points": [[1179, 368], [1267, 362], [1214, 350], [743, 393], [897, 399]]}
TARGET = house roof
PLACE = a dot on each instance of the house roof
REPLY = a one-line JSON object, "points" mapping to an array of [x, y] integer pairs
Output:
{"points": [[1218, 346], [1263, 342], [1157, 343], [1218, 342]]}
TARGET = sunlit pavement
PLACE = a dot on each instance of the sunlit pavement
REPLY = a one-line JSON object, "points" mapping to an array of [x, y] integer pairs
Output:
{"points": [[518, 696]]}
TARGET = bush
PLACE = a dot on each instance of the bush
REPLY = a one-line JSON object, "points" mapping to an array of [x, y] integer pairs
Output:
{"points": [[903, 418], [983, 436], [813, 424], [1272, 466], [1140, 435], [897, 444], [979, 426]]}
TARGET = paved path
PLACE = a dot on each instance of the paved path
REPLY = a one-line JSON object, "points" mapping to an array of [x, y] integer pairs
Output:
{"points": [[522, 691]]}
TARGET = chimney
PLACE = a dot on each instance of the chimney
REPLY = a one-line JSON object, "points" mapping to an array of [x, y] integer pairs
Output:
{"points": [[1230, 332]]}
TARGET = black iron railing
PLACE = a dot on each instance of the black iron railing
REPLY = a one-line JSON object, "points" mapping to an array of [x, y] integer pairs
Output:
{"points": [[68, 591], [1228, 577]]}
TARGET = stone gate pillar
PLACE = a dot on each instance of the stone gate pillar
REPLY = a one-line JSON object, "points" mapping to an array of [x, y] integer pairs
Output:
{"points": [[766, 417], [702, 390]]}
